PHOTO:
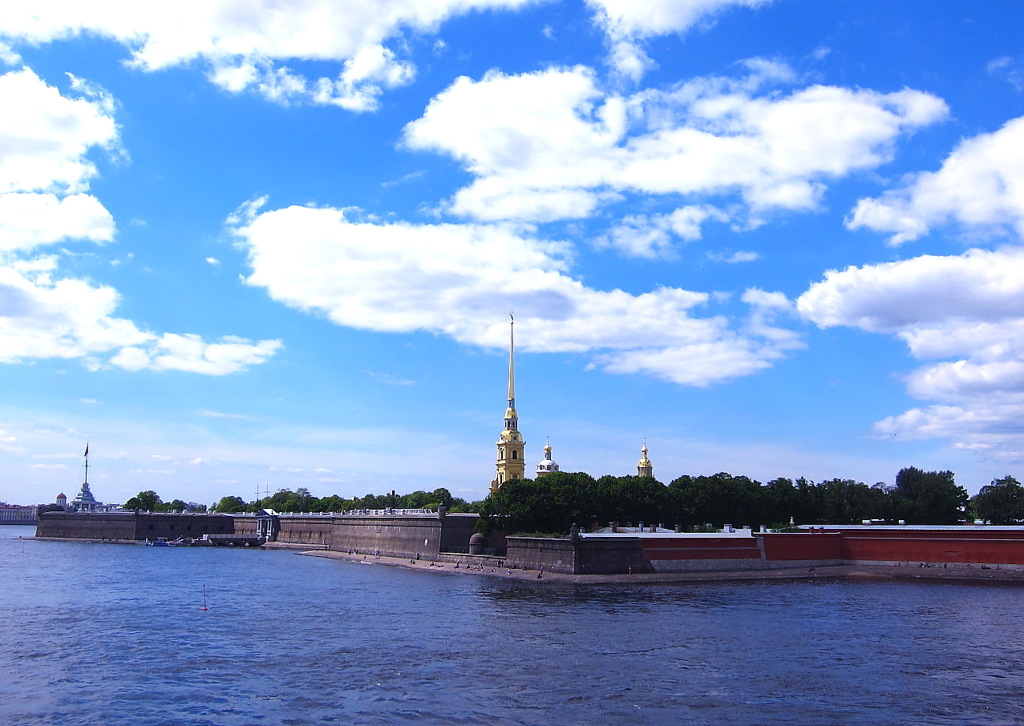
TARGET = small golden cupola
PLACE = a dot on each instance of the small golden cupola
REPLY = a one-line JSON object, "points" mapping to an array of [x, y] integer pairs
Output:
{"points": [[511, 447], [644, 466]]}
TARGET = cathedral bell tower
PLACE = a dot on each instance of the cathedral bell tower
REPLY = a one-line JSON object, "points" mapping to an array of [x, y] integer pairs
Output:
{"points": [[511, 447]]}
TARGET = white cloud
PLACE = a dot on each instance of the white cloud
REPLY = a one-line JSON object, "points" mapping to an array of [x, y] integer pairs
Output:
{"points": [[734, 257], [8, 56], [654, 236], [980, 186], [212, 261], [626, 23], [190, 353], [963, 313], [45, 169], [68, 318], [460, 281], [46, 137], [45, 140], [552, 145], [1007, 67], [244, 45], [32, 220]]}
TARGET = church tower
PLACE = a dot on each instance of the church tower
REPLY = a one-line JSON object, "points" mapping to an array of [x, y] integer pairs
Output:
{"points": [[547, 464], [511, 464], [644, 466]]}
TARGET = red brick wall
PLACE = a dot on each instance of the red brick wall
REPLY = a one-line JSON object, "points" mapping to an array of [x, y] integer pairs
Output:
{"points": [[969, 545], [801, 546]]}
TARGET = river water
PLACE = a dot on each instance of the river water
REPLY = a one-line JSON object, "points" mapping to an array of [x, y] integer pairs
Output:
{"points": [[116, 634]]}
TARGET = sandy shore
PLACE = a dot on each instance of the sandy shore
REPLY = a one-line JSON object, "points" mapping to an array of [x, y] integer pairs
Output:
{"points": [[933, 573]]}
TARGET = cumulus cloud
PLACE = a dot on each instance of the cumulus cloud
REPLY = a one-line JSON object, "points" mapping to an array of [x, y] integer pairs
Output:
{"points": [[461, 280], [980, 186], [965, 315], [45, 167], [553, 145], [627, 23], [654, 236], [44, 317], [245, 45], [45, 141]]}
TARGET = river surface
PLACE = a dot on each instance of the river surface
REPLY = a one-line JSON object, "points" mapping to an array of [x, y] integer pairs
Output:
{"points": [[116, 634]]}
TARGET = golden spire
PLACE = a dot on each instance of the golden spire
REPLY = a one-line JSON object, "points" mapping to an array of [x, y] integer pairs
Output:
{"points": [[511, 368], [511, 447]]}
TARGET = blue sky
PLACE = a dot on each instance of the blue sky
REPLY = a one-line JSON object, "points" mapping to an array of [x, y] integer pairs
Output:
{"points": [[252, 245]]}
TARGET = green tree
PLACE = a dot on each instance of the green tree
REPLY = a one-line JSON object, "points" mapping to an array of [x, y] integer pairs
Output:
{"points": [[929, 497], [147, 501], [230, 505], [1001, 502]]}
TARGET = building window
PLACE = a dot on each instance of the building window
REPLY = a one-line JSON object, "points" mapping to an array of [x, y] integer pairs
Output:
{"points": [[515, 454]]}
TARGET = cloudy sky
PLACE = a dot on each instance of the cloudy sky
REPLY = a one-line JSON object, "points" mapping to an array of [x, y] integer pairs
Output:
{"points": [[251, 245]]}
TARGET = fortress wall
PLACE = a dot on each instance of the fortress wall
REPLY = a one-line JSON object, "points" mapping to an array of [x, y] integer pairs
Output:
{"points": [[244, 524], [611, 556], [703, 554], [152, 525], [967, 545], [94, 526], [309, 530], [456, 529], [390, 535], [534, 553], [796, 549]]}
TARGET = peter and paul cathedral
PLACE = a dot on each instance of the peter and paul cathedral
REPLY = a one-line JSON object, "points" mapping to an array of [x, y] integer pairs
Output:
{"points": [[511, 462], [511, 447]]}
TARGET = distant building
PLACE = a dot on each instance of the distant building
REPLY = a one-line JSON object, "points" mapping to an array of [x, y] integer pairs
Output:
{"points": [[62, 501], [546, 465], [14, 514], [85, 501], [644, 466]]}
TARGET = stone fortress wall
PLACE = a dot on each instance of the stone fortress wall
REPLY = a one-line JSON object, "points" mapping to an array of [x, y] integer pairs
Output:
{"points": [[440, 537]]}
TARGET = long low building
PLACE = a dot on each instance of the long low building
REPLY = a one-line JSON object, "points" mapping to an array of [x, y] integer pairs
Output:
{"points": [[14, 514]]}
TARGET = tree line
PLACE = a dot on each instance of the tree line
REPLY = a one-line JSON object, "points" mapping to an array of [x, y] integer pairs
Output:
{"points": [[553, 503]]}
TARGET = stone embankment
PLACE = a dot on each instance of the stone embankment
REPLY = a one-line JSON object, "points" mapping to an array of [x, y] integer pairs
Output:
{"points": [[469, 566]]}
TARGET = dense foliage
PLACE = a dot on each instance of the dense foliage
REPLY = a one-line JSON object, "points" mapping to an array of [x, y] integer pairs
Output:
{"points": [[552, 503], [301, 500], [149, 501]]}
